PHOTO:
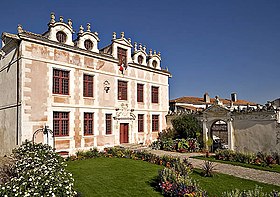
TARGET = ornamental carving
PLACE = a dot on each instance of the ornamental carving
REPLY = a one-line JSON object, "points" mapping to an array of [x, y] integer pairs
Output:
{"points": [[124, 113]]}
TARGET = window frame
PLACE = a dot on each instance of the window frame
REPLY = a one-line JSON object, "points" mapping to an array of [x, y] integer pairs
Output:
{"points": [[61, 122], [88, 44], [155, 94], [140, 123], [61, 81], [155, 123], [140, 92], [88, 80], [88, 123], [140, 59], [108, 124], [122, 56], [122, 90], [61, 37]]}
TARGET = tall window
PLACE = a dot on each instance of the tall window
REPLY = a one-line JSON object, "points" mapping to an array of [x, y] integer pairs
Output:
{"points": [[60, 82], [61, 123], [88, 123], [155, 123], [140, 59], [88, 85], [140, 122], [108, 124], [122, 56], [140, 92], [154, 63], [154, 94], [122, 90]]}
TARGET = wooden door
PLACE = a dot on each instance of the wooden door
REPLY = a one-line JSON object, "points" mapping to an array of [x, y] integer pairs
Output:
{"points": [[123, 133]]}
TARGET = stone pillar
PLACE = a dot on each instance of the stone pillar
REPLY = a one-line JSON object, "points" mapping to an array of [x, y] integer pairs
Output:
{"points": [[205, 133], [230, 134]]}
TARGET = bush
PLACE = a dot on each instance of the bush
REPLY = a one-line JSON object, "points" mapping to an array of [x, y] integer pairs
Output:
{"points": [[39, 171], [187, 126]]}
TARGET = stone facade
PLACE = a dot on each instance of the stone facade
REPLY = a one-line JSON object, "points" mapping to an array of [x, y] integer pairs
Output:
{"points": [[27, 86]]}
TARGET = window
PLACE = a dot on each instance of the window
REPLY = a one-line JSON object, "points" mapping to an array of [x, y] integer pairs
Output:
{"points": [[140, 123], [88, 85], [60, 82], [140, 92], [154, 63], [154, 94], [155, 123], [122, 56], [61, 123], [61, 37], [122, 90], [140, 59], [108, 124], [88, 44], [88, 123]]}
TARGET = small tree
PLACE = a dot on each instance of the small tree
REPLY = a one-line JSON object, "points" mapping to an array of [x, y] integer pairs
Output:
{"points": [[187, 126]]}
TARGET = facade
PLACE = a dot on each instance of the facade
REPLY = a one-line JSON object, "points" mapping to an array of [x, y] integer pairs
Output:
{"points": [[188, 104], [88, 97]]}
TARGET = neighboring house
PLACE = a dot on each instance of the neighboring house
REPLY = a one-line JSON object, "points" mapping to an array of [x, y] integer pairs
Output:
{"points": [[88, 97], [196, 104]]}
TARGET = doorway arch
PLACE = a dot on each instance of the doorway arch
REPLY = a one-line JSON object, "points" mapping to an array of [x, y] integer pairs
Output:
{"points": [[219, 135]]}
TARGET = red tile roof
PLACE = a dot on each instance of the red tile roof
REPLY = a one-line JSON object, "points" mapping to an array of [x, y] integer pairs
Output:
{"points": [[200, 101]]}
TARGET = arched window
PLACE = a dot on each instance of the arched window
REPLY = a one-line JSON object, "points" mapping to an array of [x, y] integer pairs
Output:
{"points": [[88, 44], [140, 59], [61, 37], [154, 63]]}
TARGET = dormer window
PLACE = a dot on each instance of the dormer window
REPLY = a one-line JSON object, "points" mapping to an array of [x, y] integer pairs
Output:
{"points": [[61, 37], [154, 63], [88, 44], [140, 59], [122, 57]]}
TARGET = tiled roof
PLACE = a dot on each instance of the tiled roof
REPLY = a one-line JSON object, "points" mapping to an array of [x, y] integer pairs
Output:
{"points": [[200, 101]]}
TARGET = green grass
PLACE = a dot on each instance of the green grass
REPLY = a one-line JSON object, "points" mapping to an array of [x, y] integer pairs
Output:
{"points": [[126, 177], [219, 183], [114, 177], [273, 168]]}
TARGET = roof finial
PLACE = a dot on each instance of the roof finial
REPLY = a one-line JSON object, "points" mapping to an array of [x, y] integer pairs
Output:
{"points": [[114, 35], [81, 29], [159, 53], [19, 28], [135, 46], [52, 18], [140, 46], [122, 34], [70, 23], [88, 27], [144, 48], [150, 51], [129, 40], [61, 19], [155, 52]]}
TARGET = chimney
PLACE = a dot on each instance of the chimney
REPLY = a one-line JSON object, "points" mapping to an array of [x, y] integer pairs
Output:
{"points": [[233, 97], [206, 98]]}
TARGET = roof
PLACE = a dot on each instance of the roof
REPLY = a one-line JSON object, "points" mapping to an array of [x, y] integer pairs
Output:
{"points": [[200, 101]]}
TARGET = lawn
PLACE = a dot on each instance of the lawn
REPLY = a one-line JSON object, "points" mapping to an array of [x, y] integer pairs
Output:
{"points": [[114, 177], [126, 177], [274, 168]]}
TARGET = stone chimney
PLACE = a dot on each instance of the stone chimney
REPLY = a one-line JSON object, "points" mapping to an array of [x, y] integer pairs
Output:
{"points": [[206, 98], [233, 97]]}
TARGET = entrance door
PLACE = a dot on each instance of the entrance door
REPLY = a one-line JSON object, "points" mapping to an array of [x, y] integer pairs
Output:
{"points": [[123, 133]]}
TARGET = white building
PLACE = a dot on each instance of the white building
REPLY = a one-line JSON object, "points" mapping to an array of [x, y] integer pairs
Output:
{"points": [[89, 97]]}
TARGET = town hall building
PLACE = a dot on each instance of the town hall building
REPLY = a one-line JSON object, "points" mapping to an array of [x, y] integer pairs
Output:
{"points": [[86, 96]]}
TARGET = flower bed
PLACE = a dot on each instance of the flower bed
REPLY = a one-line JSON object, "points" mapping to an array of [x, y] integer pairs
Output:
{"points": [[179, 145], [38, 171], [249, 158]]}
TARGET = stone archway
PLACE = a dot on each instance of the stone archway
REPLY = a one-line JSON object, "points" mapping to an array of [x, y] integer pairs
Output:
{"points": [[219, 135]]}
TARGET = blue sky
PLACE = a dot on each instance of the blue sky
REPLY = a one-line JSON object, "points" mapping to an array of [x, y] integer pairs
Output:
{"points": [[214, 46]]}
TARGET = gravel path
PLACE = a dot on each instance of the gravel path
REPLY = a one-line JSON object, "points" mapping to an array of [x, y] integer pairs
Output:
{"points": [[238, 171]]}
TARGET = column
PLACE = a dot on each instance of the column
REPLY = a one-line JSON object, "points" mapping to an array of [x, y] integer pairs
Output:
{"points": [[205, 133], [230, 134]]}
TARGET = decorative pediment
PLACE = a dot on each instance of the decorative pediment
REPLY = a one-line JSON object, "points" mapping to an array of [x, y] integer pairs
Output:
{"points": [[124, 113], [122, 40], [216, 109]]}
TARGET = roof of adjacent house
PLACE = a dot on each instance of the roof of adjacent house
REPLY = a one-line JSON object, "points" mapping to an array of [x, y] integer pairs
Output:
{"points": [[200, 101]]}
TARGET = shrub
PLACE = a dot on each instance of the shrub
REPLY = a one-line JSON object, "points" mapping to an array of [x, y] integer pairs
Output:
{"points": [[208, 168], [250, 193], [169, 133], [39, 171]]}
